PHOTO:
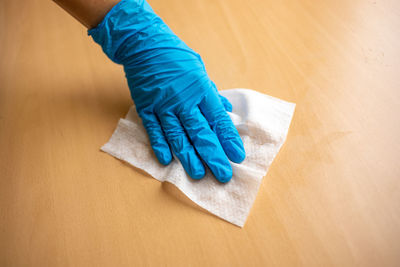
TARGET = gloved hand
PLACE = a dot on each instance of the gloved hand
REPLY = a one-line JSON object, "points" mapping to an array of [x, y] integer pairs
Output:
{"points": [[179, 105]]}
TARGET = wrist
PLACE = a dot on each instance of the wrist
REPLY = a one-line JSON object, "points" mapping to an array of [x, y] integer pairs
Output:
{"points": [[132, 27], [89, 13]]}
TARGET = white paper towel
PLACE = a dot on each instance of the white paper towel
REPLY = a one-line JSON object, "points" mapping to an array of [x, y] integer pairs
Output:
{"points": [[262, 121]]}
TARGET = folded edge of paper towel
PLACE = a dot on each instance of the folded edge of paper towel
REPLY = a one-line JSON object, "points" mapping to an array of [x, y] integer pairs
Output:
{"points": [[263, 123]]}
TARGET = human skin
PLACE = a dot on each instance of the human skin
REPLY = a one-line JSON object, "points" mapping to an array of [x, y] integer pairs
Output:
{"points": [[89, 12]]}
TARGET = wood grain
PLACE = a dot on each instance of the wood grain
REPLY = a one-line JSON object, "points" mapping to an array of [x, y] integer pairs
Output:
{"points": [[331, 197]]}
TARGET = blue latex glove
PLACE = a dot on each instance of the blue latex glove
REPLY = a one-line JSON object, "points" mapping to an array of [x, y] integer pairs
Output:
{"points": [[179, 105]]}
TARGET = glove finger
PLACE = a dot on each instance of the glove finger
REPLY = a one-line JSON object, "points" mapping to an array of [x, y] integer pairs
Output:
{"points": [[157, 138], [224, 100], [222, 125], [181, 146], [206, 144], [226, 103]]}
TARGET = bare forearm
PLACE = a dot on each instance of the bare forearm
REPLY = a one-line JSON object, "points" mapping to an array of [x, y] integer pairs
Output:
{"points": [[88, 12]]}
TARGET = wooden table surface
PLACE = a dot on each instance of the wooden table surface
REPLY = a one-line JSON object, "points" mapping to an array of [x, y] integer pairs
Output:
{"points": [[331, 197]]}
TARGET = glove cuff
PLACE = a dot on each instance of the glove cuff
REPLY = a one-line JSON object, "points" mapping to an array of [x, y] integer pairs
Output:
{"points": [[132, 27]]}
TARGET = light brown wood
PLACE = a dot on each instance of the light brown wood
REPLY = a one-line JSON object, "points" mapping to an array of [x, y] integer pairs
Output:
{"points": [[331, 197]]}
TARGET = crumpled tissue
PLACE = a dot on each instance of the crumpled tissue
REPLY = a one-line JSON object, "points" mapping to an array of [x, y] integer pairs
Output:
{"points": [[262, 122]]}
